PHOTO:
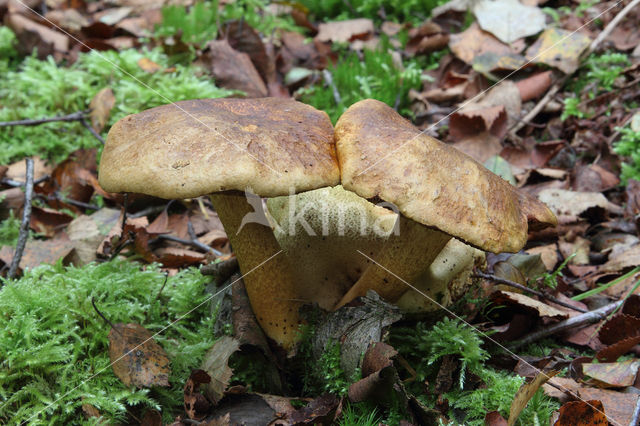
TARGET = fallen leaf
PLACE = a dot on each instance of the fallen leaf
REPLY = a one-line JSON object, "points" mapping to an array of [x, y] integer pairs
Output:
{"points": [[215, 363], [137, 360], [32, 35], [174, 257], [234, 70], [16, 171], [48, 222], [582, 413], [502, 297], [613, 374], [559, 48], [494, 418], [322, 410], [101, 106], [428, 37], [509, 20], [548, 254], [628, 258], [148, 65], [86, 232], [475, 119], [344, 31], [526, 392], [195, 404], [482, 50], [563, 202], [535, 86]]}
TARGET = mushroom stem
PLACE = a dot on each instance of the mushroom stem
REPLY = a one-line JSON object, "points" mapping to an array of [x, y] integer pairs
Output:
{"points": [[406, 255], [270, 285]]}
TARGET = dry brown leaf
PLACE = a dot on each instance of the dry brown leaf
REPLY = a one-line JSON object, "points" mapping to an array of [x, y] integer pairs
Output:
{"points": [[38, 252], [526, 392], [613, 374], [502, 297], [148, 65], [582, 413], [32, 35], [473, 42], [559, 48], [234, 70], [16, 171], [534, 86], [137, 360], [344, 31], [101, 106], [215, 363]]}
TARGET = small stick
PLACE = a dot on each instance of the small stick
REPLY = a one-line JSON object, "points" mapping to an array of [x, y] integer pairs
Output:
{"points": [[560, 83], [93, 303], [611, 25], [26, 218], [18, 184], [329, 79], [59, 197], [573, 322], [92, 130], [196, 243], [76, 116], [527, 289]]}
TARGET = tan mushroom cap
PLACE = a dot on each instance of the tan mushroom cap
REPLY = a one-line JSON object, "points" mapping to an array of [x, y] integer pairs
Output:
{"points": [[382, 155], [203, 146]]}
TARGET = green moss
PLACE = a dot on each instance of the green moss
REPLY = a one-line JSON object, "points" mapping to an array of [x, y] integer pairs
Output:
{"points": [[199, 23], [375, 77], [629, 146], [427, 345], [9, 231], [39, 89], [498, 394], [399, 11], [54, 347]]}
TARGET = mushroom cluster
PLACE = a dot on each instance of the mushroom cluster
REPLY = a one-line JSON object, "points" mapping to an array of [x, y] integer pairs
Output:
{"points": [[345, 245]]}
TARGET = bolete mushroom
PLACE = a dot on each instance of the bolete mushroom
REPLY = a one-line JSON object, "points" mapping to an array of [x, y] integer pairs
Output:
{"points": [[220, 147], [439, 191], [322, 231]]}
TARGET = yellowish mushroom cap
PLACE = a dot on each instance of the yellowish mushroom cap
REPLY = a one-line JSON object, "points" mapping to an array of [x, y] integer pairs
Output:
{"points": [[204, 146], [384, 156]]}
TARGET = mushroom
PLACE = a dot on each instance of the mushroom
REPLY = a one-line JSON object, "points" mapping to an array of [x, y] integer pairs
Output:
{"points": [[439, 191], [322, 231], [445, 280], [220, 147]]}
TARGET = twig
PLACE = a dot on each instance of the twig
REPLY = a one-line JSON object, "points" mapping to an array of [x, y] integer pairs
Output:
{"points": [[18, 184], [93, 303], [149, 210], [76, 116], [636, 414], [198, 243], [329, 79], [528, 290], [573, 322], [538, 107], [26, 218], [56, 196], [92, 130], [221, 271], [611, 25], [560, 83], [192, 243]]}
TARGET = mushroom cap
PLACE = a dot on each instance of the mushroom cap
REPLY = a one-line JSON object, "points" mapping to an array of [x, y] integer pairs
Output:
{"points": [[382, 155], [202, 146]]}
